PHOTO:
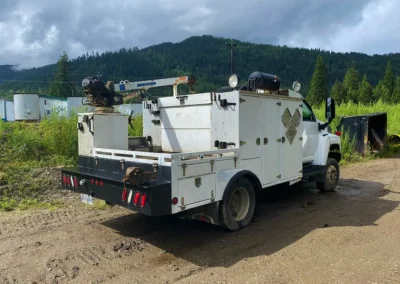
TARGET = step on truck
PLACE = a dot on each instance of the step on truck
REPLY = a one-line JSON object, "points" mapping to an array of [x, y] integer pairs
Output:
{"points": [[204, 156]]}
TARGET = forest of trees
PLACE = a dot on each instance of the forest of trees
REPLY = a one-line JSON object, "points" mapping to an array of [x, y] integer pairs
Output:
{"points": [[354, 88], [347, 76]]}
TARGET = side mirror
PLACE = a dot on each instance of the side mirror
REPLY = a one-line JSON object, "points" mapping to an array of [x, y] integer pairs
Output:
{"points": [[330, 110]]}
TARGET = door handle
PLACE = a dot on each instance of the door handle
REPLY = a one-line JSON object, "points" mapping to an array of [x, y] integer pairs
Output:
{"points": [[281, 140]]}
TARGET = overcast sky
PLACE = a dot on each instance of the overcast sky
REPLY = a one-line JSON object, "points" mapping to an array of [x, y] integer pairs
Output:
{"points": [[35, 32]]}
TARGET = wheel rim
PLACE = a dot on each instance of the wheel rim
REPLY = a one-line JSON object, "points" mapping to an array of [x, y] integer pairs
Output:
{"points": [[332, 175], [239, 204]]}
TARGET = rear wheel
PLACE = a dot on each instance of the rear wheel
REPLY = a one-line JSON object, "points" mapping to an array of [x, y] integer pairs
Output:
{"points": [[331, 176], [238, 204]]}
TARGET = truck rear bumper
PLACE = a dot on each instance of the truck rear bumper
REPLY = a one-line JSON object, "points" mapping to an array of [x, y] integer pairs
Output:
{"points": [[151, 200]]}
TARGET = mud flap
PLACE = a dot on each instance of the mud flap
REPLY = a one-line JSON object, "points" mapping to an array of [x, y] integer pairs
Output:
{"points": [[208, 213]]}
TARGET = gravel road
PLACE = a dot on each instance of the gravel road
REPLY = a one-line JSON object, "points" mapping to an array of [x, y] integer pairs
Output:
{"points": [[351, 235]]}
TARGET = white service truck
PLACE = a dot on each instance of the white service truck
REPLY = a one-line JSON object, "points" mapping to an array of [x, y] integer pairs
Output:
{"points": [[206, 156]]}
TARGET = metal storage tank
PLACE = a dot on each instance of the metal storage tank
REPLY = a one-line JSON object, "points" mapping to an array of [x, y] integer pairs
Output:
{"points": [[3, 110], [137, 109], [10, 110], [26, 107], [6, 110], [75, 105]]}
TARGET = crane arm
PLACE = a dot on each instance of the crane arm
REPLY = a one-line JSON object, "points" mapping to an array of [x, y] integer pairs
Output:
{"points": [[145, 85], [100, 94]]}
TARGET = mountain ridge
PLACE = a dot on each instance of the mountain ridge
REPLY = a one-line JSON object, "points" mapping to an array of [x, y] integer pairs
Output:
{"points": [[206, 57]]}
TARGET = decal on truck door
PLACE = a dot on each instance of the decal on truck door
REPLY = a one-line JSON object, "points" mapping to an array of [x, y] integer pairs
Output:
{"points": [[291, 122]]}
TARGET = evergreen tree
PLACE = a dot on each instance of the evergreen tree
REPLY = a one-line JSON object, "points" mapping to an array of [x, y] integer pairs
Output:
{"points": [[351, 84], [378, 91], [319, 88], [338, 93], [389, 81], [61, 86], [396, 93], [366, 92]]}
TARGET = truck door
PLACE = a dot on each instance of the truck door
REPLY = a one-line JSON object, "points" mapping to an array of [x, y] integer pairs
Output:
{"points": [[271, 146], [291, 133], [250, 134], [310, 133]]}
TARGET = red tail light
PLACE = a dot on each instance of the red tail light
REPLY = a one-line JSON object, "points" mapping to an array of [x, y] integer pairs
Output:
{"points": [[68, 180], [101, 183], [64, 180], [76, 182], [92, 181], [174, 201], [136, 199], [143, 200], [124, 193], [97, 182], [338, 133]]}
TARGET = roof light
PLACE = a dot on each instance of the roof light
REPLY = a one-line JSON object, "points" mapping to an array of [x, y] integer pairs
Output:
{"points": [[297, 86], [233, 81]]}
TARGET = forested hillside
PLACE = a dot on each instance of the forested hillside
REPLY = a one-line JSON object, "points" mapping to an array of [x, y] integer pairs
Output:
{"points": [[208, 58]]}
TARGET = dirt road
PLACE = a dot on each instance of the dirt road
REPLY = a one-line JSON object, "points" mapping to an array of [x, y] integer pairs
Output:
{"points": [[301, 236]]}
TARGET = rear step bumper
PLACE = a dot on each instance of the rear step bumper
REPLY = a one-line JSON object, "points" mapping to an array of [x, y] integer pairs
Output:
{"points": [[151, 200]]}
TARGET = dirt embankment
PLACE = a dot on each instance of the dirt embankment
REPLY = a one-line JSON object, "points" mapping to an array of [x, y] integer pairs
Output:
{"points": [[300, 236]]}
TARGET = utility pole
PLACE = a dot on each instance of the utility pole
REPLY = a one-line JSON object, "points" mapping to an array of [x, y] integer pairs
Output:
{"points": [[232, 45]]}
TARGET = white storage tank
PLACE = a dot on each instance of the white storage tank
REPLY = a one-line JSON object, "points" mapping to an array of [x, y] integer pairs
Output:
{"points": [[3, 110], [26, 107], [10, 110], [137, 109]]}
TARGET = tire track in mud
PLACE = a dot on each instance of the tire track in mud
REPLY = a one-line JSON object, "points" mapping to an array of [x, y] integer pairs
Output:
{"points": [[32, 223], [68, 266]]}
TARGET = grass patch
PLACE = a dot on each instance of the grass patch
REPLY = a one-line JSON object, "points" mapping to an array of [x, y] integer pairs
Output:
{"points": [[137, 123], [100, 205], [26, 151]]}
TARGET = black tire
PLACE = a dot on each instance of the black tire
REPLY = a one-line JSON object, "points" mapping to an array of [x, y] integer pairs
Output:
{"points": [[240, 196], [331, 176]]}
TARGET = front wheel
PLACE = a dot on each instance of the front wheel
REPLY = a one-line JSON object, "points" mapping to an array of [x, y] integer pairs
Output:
{"points": [[331, 176], [238, 205]]}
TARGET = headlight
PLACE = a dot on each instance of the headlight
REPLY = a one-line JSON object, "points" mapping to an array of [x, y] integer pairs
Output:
{"points": [[297, 86], [233, 81]]}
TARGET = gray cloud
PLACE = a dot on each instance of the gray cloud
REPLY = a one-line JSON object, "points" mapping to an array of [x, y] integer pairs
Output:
{"points": [[34, 33]]}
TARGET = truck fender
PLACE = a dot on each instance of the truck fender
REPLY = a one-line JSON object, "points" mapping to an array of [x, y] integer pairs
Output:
{"points": [[227, 177], [321, 155]]}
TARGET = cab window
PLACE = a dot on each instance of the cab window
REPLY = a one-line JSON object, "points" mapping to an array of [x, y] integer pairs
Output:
{"points": [[308, 115]]}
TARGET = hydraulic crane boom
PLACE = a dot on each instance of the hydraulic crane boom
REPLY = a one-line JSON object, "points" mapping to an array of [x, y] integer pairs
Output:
{"points": [[100, 94], [145, 85]]}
